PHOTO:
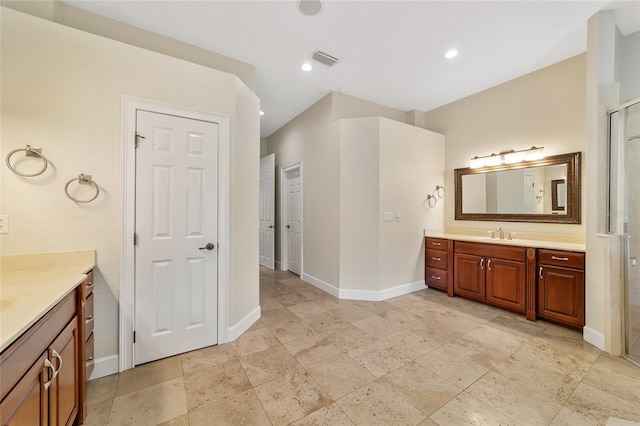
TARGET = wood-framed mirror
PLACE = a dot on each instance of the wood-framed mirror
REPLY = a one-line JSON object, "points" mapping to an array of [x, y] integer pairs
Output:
{"points": [[546, 191]]}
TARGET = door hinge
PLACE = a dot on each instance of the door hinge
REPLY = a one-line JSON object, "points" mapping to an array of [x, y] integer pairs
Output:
{"points": [[135, 142], [134, 337], [135, 239]]}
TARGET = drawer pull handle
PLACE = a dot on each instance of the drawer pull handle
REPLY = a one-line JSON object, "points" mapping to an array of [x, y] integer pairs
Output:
{"points": [[489, 264], [482, 263], [89, 285], [435, 278], [47, 364], [436, 244], [559, 258], [437, 259], [89, 318], [90, 359], [540, 273]]}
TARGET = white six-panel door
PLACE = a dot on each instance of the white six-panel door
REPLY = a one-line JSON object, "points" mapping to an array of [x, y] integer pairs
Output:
{"points": [[267, 207], [294, 220], [176, 218]]}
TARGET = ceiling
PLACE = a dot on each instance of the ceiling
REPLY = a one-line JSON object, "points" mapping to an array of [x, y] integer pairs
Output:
{"points": [[391, 52]]}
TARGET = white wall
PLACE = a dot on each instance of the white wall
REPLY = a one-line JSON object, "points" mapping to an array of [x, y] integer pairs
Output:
{"points": [[62, 90], [543, 108]]}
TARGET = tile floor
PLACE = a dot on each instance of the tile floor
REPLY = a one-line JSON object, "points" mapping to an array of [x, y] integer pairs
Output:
{"points": [[418, 359]]}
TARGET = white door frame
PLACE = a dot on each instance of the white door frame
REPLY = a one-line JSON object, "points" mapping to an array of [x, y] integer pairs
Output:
{"points": [[284, 239], [127, 250]]}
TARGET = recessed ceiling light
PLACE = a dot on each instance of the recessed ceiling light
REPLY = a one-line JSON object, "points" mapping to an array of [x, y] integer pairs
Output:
{"points": [[310, 7], [451, 54], [261, 112], [306, 67]]}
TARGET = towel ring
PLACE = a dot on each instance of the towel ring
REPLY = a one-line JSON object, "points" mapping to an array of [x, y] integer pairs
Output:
{"points": [[83, 180], [432, 199], [29, 152]]}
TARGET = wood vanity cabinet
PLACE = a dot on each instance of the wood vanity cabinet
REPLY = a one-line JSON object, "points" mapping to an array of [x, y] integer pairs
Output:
{"points": [[490, 273], [40, 371], [85, 367], [561, 287], [438, 259]]}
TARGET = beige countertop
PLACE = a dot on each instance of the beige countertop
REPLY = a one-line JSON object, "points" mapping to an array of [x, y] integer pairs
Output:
{"points": [[537, 243], [32, 284]]}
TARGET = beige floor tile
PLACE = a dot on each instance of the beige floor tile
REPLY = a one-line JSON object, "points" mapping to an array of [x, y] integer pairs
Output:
{"points": [[448, 363], [376, 404], [182, 420], [340, 375], [440, 328], [551, 384], [289, 331], [348, 337], [567, 417], [614, 383], [427, 422], [550, 357], [306, 309], [330, 302], [276, 316], [331, 415], [486, 346], [149, 374], [98, 412], [568, 341], [242, 409], [269, 304], [618, 364], [467, 410], [401, 317], [352, 313], [292, 298], [600, 405], [207, 357], [256, 326], [378, 358], [424, 389], [378, 326], [515, 401], [102, 388], [206, 386], [291, 398], [255, 341], [517, 325], [325, 322], [374, 307], [309, 350], [408, 344], [151, 406], [268, 365]]}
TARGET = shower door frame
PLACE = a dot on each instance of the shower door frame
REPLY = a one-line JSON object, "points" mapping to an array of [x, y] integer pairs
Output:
{"points": [[622, 188]]}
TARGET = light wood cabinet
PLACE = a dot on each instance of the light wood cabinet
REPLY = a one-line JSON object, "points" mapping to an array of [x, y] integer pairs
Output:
{"points": [[561, 287], [43, 372], [491, 273]]}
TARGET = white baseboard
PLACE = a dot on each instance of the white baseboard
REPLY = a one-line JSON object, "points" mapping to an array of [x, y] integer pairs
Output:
{"points": [[370, 295], [378, 296], [243, 325], [324, 286], [594, 337], [104, 366]]}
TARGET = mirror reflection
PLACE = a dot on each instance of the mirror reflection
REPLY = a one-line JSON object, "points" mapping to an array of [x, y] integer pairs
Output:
{"points": [[531, 190]]}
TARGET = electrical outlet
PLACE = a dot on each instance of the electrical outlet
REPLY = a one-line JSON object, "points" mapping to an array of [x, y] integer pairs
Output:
{"points": [[397, 216], [387, 217], [4, 223]]}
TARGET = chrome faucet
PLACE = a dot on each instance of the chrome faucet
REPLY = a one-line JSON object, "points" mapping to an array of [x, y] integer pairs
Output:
{"points": [[501, 231]]}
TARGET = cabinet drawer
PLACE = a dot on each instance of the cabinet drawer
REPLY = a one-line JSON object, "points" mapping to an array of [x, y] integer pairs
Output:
{"points": [[89, 354], [491, 250], [436, 243], [87, 286], [436, 259], [436, 278], [565, 259], [88, 316]]}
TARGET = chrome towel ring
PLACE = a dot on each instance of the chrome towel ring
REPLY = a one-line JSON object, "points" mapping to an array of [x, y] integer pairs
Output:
{"points": [[82, 180], [29, 152], [432, 199]]}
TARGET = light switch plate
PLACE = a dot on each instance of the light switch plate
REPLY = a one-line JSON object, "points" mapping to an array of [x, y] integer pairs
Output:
{"points": [[4, 223], [387, 217], [397, 216]]}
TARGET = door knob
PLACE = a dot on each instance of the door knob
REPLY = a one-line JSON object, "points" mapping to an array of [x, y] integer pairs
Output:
{"points": [[208, 247], [271, 226], [288, 226]]}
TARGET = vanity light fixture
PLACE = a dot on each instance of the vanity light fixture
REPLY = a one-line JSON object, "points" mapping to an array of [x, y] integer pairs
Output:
{"points": [[508, 157]]}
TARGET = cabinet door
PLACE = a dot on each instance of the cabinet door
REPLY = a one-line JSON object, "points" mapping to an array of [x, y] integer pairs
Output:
{"points": [[468, 276], [63, 392], [27, 402], [561, 295], [505, 284]]}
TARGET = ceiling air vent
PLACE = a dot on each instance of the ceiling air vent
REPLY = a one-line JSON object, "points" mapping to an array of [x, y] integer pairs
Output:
{"points": [[325, 58]]}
